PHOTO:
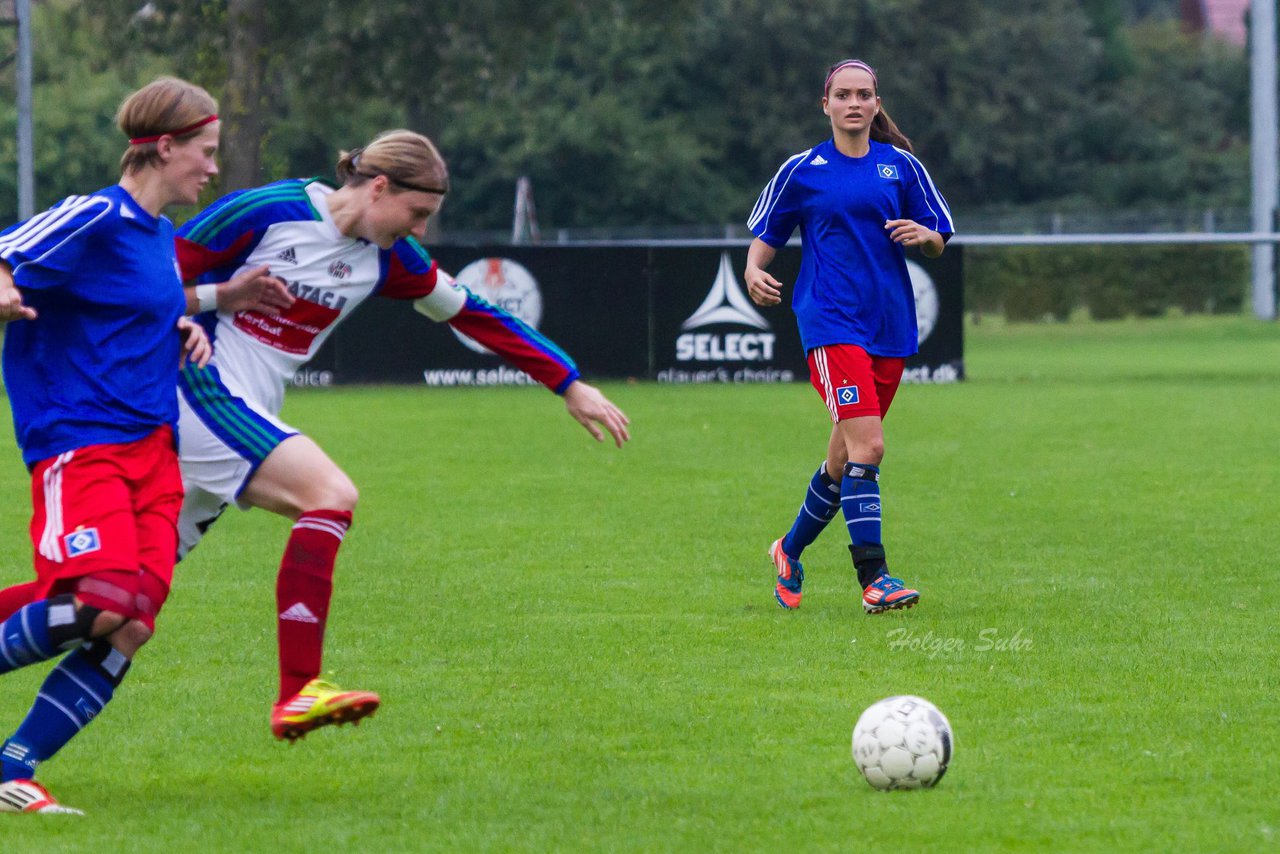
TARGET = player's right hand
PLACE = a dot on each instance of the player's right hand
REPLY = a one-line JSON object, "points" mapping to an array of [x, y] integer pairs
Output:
{"points": [[254, 289], [762, 288], [11, 307]]}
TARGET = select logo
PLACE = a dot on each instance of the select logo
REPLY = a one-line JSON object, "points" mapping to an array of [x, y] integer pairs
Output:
{"points": [[725, 303]]}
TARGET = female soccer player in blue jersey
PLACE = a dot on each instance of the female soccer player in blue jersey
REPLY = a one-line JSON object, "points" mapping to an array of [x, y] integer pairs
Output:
{"points": [[858, 199], [91, 353], [335, 247]]}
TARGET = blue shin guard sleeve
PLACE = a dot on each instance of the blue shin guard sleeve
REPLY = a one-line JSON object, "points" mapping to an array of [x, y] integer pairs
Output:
{"points": [[73, 694], [860, 501], [24, 637], [821, 503]]}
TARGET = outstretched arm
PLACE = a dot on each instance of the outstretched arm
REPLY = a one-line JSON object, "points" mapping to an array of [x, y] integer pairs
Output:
{"points": [[527, 350], [588, 406]]}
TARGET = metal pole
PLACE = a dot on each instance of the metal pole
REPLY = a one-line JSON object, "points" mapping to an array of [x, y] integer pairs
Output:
{"points": [[26, 147], [1263, 151]]}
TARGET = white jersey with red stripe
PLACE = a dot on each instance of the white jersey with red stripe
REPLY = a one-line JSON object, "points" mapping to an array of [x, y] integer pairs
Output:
{"points": [[287, 226]]}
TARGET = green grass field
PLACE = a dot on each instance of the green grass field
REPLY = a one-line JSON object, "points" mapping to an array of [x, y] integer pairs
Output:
{"points": [[578, 648]]}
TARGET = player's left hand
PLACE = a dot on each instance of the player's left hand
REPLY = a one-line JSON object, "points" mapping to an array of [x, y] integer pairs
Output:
{"points": [[910, 233], [195, 343], [588, 406]]}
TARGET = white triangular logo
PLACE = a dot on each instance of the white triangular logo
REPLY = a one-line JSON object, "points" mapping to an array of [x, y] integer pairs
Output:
{"points": [[300, 613], [726, 303], [819, 161]]}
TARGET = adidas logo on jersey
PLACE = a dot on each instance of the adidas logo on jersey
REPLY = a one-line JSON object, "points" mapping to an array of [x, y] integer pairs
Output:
{"points": [[818, 161], [299, 613], [288, 256]]}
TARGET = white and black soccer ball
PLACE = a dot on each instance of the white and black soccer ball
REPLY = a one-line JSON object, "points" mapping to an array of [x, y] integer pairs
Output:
{"points": [[902, 743]]}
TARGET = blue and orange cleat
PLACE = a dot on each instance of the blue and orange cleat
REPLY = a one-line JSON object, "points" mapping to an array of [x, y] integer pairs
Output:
{"points": [[790, 577], [887, 593], [318, 704]]}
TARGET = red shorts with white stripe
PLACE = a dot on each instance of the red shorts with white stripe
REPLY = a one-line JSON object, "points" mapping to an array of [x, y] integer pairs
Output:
{"points": [[109, 509], [852, 383]]}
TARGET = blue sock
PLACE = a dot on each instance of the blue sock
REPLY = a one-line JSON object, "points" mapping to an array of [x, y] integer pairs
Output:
{"points": [[860, 501], [821, 502], [72, 695], [24, 637]]}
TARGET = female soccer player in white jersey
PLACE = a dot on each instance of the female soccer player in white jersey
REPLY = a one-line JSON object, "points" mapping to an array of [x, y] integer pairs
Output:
{"points": [[858, 199], [335, 247], [91, 353]]}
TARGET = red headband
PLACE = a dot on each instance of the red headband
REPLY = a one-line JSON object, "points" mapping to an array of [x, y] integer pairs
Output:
{"points": [[143, 140], [851, 63]]}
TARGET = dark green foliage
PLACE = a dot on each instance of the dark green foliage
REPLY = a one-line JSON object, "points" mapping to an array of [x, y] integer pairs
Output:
{"points": [[1049, 283], [630, 113]]}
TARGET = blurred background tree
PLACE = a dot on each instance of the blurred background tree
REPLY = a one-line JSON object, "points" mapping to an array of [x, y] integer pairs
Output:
{"points": [[630, 113]]}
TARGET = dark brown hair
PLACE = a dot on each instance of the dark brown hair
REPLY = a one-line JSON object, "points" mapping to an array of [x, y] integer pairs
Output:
{"points": [[883, 128]]}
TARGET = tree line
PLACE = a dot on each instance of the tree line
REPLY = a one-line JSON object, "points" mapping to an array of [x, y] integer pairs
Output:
{"points": [[628, 112]]}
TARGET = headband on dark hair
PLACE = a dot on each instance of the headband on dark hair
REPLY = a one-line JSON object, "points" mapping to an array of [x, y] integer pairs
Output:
{"points": [[851, 63], [143, 140]]}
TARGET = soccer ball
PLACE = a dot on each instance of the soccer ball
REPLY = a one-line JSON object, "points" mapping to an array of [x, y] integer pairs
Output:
{"points": [[902, 743]]}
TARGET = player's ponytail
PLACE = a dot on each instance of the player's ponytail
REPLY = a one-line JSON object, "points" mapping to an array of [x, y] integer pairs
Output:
{"points": [[166, 106], [883, 129]]}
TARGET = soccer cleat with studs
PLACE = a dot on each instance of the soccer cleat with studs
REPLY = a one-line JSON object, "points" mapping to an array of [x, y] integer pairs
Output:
{"points": [[21, 796], [318, 704], [887, 593], [790, 577]]}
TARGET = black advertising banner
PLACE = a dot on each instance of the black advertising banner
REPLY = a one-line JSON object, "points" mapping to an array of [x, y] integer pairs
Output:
{"points": [[592, 303], [671, 313], [706, 329]]}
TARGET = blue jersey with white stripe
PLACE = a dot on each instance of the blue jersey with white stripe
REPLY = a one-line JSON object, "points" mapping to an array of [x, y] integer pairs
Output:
{"points": [[853, 286], [99, 363]]}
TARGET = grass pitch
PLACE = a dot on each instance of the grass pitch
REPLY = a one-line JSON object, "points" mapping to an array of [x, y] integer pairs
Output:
{"points": [[578, 647]]}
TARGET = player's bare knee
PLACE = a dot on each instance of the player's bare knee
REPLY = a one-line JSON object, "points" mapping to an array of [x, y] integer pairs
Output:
{"points": [[131, 636], [868, 452], [875, 452], [104, 622], [341, 494]]}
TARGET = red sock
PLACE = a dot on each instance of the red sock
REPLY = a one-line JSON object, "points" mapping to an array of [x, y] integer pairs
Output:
{"points": [[303, 589], [16, 597]]}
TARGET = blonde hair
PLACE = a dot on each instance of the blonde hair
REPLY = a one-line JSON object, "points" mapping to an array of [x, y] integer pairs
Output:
{"points": [[409, 160], [163, 106]]}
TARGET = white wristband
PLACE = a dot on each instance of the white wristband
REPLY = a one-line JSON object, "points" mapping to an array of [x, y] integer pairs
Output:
{"points": [[206, 297]]}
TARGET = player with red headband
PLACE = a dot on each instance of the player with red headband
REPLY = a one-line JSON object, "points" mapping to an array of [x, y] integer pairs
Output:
{"points": [[858, 199], [335, 246], [95, 335]]}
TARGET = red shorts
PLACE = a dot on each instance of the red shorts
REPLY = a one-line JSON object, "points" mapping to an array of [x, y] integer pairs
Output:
{"points": [[108, 509], [852, 383]]}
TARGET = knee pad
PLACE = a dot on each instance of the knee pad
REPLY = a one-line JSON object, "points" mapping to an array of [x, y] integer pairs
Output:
{"points": [[69, 625], [110, 661]]}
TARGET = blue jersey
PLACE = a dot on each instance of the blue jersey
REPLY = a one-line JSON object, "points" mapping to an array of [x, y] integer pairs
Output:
{"points": [[100, 362], [853, 286]]}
